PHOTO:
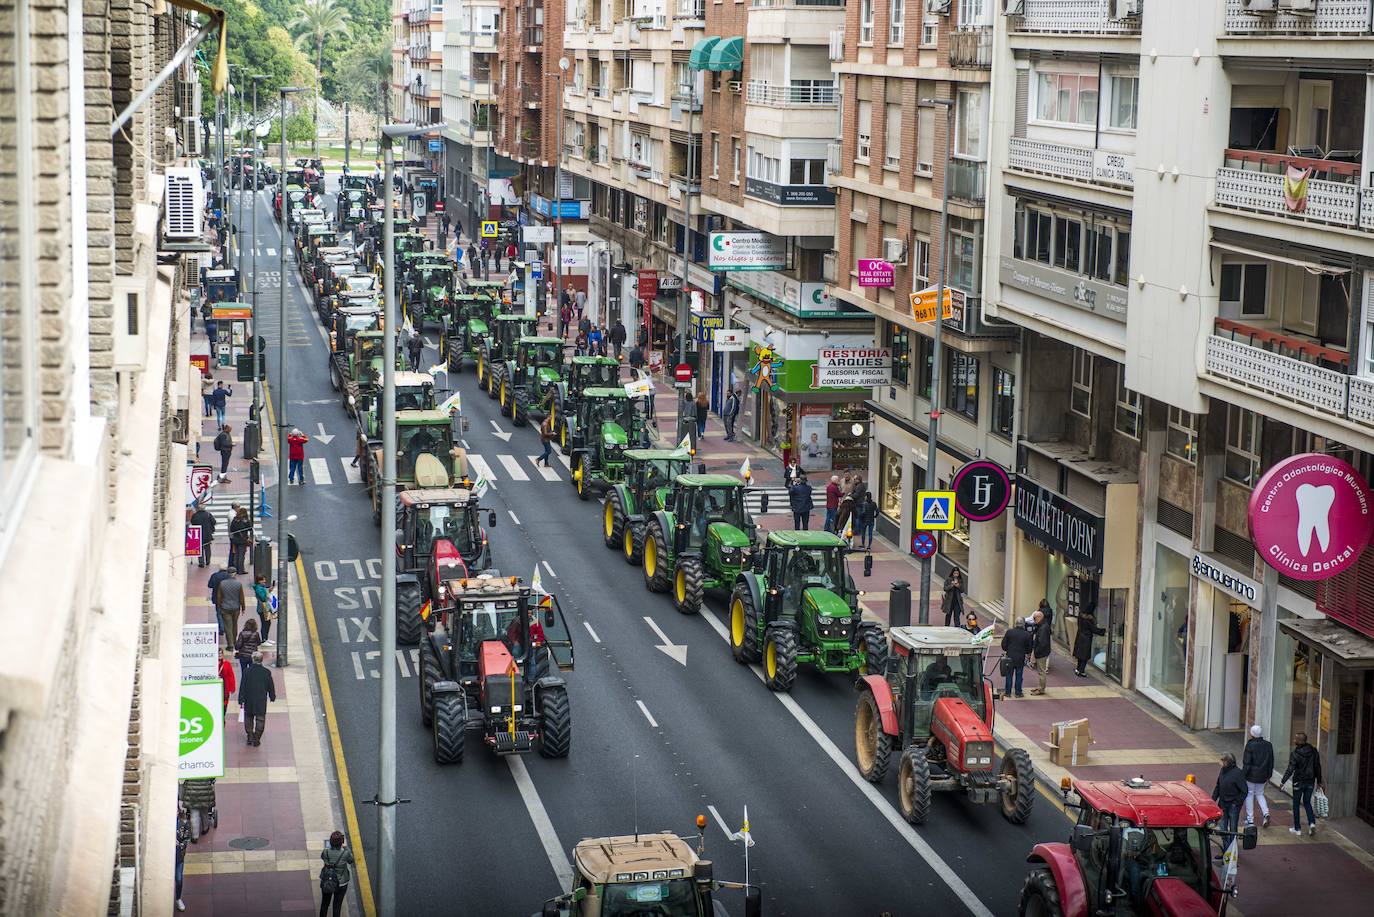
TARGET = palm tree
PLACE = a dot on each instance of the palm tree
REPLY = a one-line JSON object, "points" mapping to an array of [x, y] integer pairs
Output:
{"points": [[315, 22]]}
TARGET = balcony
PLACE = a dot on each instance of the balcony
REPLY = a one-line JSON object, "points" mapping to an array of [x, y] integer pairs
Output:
{"points": [[1323, 18], [529, 149], [757, 4], [1076, 163], [1079, 17], [789, 195], [968, 180], [971, 49], [691, 11], [804, 94], [531, 94], [534, 39], [1273, 184]]}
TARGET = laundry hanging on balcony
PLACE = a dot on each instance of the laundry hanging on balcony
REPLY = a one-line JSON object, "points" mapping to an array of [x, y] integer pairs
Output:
{"points": [[1295, 182]]}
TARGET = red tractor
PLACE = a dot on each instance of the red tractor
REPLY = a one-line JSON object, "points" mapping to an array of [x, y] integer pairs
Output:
{"points": [[1139, 848], [934, 705]]}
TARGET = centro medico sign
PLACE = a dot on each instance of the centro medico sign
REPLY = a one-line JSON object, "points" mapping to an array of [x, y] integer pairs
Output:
{"points": [[746, 251]]}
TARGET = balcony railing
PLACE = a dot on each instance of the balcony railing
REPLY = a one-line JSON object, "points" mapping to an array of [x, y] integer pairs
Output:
{"points": [[529, 149], [1079, 17], [1330, 17], [531, 93], [768, 3], [1077, 163], [968, 180], [534, 37], [971, 49], [691, 9], [1295, 187], [796, 95]]}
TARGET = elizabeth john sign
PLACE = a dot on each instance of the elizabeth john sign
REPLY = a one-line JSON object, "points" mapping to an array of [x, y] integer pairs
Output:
{"points": [[852, 367], [747, 251], [200, 752], [1311, 516], [1055, 524]]}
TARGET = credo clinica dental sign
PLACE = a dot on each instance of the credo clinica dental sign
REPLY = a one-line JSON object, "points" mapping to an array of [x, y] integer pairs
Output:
{"points": [[1311, 516]]}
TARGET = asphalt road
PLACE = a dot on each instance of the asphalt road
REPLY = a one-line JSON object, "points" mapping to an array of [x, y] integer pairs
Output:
{"points": [[655, 742]]}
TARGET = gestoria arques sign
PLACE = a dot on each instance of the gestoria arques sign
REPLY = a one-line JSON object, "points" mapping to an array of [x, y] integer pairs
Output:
{"points": [[746, 251], [853, 367]]}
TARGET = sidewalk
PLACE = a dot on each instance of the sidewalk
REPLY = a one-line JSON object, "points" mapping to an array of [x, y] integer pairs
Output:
{"points": [[275, 801]]}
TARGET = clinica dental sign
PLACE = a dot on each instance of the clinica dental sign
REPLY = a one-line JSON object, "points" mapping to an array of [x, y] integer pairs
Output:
{"points": [[1311, 516]]}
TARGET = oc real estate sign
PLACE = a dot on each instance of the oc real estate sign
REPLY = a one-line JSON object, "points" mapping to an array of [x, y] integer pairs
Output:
{"points": [[747, 251], [852, 367]]}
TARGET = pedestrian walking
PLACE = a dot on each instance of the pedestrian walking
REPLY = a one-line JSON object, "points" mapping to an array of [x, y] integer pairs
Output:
{"points": [[636, 357], [207, 391], [1229, 794], [1042, 650], [952, 602], [851, 491], [1257, 763], [219, 399], [198, 795], [224, 445], [1305, 770], [212, 584], [617, 337], [730, 413], [1016, 645], [206, 520], [295, 452], [642, 337], [226, 677], [263, 594], [832, 502], [584, 325], [511, 253], [416, 350], [240, 538], [257, 689], [580, 302], [800, 501], [247, 644], [230, 595], [183, 838], [866, 518], [1083, 641], [703, 410], [207, 313], [546, 440], [334, 874]]}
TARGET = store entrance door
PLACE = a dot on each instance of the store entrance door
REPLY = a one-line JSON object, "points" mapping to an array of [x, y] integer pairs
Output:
{"points": [[1225, 692]]}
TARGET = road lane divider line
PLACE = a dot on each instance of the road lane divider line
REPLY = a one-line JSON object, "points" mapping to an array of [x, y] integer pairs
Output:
{"points": [[543, 825], [647, 715], [587, 624], [549, 569], [513, 518], [513, 468], [319, 471]]}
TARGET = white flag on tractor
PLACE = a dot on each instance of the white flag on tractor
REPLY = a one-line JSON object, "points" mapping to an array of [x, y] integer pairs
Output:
{"points": [[536, 581], [686, 444], [744, 470]]}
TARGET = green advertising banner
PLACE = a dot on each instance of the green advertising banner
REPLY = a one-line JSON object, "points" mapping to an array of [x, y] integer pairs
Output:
{"points": [[200, 752]]}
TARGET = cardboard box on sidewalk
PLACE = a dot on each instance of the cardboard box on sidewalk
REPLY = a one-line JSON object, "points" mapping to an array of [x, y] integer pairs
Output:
{"points": [[1069, 742]]}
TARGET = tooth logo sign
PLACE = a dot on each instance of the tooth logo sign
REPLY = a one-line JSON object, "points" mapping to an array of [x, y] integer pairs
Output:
{"points": [[1311, 516]]}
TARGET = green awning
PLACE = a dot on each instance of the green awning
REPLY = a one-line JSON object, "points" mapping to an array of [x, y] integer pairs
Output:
{"points": [[727, 54], [700, 57]]}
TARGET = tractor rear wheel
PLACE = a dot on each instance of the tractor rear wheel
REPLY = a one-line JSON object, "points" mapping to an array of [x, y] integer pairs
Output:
{"points": [[555, 722], [875, 648], [613, 521], [655, 553], [1040, 896], [428, 675], [872, 746], [506, 398], [689, 582], [335, 382], [744, 625], [579, 476], [633, 548], [913, 785], [1018, 785], [780, 659], [563, 437], [450, 727], [521, 412], [493, 385], [482, 369], [409, 627]]}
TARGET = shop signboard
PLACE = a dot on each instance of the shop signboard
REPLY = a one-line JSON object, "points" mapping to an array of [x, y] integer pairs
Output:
{"points": [[199, 652], [804, 300], [647, 287], [874, 272], [200, 752], [1221, 576], [730, 339], [746, 251], [537, 235], [194, 540], [852, 367], [702, 327], [1113, 168], [1055, 524], [1311, 516], [200, 362], [198, 480], [668, 283], [923, 304], [982, 490], [1065, 287]]}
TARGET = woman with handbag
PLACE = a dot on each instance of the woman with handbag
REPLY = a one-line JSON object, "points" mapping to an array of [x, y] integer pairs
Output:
{"points": [[246, 645], [265, 614], [334, 874]]}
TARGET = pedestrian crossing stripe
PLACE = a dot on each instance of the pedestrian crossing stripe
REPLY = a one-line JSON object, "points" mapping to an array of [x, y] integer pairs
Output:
{"points": [[935, 510]]}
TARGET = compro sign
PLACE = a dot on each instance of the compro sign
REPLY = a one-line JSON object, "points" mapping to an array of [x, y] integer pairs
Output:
{"points": [[1311, 516], [746, 251], [200, 752]]}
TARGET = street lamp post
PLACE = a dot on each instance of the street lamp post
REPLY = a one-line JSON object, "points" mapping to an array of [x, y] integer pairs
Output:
{"points": [[255, 412], [683, 295], [556, 305]]}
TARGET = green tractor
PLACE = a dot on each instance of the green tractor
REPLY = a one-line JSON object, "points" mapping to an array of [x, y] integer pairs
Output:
{"points": [[360, 369], [700, 540], [427, 293], [525, 382], [404, 245], [648, 477], [495, 347], [425, 456], [469, 320], [607, 422], [799, 605], [351, 208], [582, 373], [414, 392]]}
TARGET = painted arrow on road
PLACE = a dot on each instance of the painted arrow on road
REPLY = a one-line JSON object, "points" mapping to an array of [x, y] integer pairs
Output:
{"points": [[500, 434], [677, 651], [322, 436]]}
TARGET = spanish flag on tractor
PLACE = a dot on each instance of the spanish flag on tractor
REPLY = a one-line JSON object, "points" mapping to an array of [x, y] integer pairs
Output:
{"points": [[425, 609]]}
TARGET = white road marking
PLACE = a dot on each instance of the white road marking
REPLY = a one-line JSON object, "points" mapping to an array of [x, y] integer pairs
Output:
{"points": [[352, 473], [548, 473], [514, 518], [271, 252], [894, 818], [567, 463], [724, 828], [675, 651], [587, 624], [319, 470], [548, 568], [480, 465], [513, 468], [543, 825], [647, 715]]}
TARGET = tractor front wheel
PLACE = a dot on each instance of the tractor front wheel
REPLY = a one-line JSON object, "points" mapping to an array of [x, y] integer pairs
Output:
{"points": [[913, 785], [780, 659], [688, 586], [579, 477], [1040, 896], [656, 558], [744, 625], [555, 722], [874, 645], [872, 746], [633, 548], [409, 627], [481, 370], [613, 521], [493, 381], [1018, 785], [563, 437], [506, 400], [521, 412], [428, 666], [450, 727]]}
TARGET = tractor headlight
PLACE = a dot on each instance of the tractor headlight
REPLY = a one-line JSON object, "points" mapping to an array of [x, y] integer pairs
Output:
{"points": [[728, 554], [978, 754], [518, 708], [496, 708]]}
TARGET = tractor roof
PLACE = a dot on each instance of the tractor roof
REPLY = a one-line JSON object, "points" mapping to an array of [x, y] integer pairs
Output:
{"points": [[418, 418], [608, 393], [371, 333], [516, 317], [802, 539], [455, 496], [486, 587], [1165, 804], [925, 639], [645, 455], [410, 378], [709, 480], [631, 858], [540, 340], [596, 361], [356, 310]]}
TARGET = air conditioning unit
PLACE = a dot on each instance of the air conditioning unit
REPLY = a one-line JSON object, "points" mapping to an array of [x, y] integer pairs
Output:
{"points": [[894, 251], [836, 45], [736, 85], [184, 201], [1303, 7], [1126, 9], [941, 7], [1258, 7], [130, 324], [1013, 7]]}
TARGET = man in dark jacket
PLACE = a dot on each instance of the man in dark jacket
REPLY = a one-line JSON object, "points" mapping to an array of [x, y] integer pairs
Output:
{"points": [[617, 337], [213, 585], [254, 693], [1042, 639], [1257, 762], [800, 502], [1016, 644], [730, 413], [1305, 769], [229, 594], [206, 520], [1229, 793], [832, 502], [636, 357]]}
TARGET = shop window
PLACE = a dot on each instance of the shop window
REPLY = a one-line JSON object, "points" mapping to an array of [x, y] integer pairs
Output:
{"points": [[1242, 445], [956, 543], [1127, 407], [1169, 624], [1297, 692], [926, 362], [962, 391], [1245, 290], [898, 340], [890, 483], [1181, 439], [1003, 402], [1081, 397]]}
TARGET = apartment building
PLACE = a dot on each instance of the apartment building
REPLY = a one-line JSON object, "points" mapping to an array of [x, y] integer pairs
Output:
{"points": [[471, 28], [94, 377], [417, 62], [1180, 228]]}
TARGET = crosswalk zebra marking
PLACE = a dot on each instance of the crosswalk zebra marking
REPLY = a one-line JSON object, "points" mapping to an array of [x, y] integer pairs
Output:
{"points": [[513, 468], [319, 471], [480, 465], [547, 472], [352, 473]]}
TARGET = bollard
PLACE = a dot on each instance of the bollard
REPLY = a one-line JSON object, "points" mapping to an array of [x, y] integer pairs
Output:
{"points": [[899, 604]]}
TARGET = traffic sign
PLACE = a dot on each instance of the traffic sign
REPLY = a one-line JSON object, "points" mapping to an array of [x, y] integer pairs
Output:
{"points": [[923, 305], [682, 372], [923, 545], [935, 510], [982, 490], [490, 229]]}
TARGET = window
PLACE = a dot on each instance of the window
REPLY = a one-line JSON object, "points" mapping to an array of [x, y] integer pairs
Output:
{"points": [[892, 145], [1087, 244], [926, 361], [890, 483], [1003, 402], [865, 131], [1181, 438], [963, 261], [962, 389], [807, 172], [968, 136], [1068, 242], [1125, 100], [734, 156], [764, 167], [1081, 396], [1068, 98], [896, 28], [930, 26], [1127, 407], [1242, 446], [925, 140], [920, 265], [715, 155], [899, 342], [1245, 290], [865, 22]]}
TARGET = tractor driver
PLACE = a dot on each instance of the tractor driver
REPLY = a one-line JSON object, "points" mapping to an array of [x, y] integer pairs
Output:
{"points": [[422, 442], [937, 673]]}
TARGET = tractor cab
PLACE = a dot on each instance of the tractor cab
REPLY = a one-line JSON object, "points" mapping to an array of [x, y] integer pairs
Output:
{"points": [[800, 562], [326, 258], [302, 216], [591, 372], [650, 474], [424, 441], [441, 533], [937, 663], [348, 321], [701, 503], [358, 281], [542, 355], [352, 207], [508, 329], [609, 419], [428, 291], [405, 243], [297, 199], [414, 392]]}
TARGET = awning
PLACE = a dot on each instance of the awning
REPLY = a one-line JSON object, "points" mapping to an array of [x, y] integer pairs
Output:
{"points": [[700, 57], [1350, 648], [1311, 267], [728, 54]]}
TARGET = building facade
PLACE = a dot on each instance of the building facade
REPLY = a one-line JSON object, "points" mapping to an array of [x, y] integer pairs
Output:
{"points": [[470, 67], [417, 63]]}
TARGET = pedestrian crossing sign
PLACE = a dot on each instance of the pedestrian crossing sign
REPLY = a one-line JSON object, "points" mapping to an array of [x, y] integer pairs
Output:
{"points": [[935, 510], [489, 229]]}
